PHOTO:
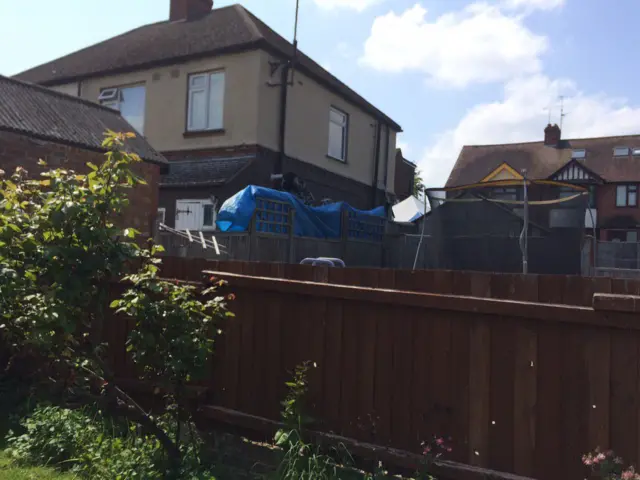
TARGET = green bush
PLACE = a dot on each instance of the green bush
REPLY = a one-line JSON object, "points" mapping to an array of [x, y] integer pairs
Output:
{"points": [[93, 446]]}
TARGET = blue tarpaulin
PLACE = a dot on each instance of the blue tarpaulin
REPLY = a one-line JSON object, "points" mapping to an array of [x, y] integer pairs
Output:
{"points": [[320, 222]]}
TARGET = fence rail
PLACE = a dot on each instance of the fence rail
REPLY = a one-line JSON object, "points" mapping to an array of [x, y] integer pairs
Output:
{"points": [[521, 387], [559, 289]]}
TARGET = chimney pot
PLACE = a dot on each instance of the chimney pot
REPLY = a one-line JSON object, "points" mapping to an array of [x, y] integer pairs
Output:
{"points": [[552, 135], [189, 9]]}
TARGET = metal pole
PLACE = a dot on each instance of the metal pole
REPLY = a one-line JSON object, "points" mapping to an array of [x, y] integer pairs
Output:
{"points": [[424, 221]]}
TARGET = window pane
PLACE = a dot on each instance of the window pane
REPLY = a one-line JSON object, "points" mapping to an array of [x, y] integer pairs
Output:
{"points": [[621, 196], [338, 117], [633, 198], [207, 215], [621, 151], [197, 110], [216, 101], [580, 153], [132, 106], [336, 140], [632, 236], [198, 81]]}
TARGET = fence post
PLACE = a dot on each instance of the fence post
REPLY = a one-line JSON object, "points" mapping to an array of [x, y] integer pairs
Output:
{"points": [[344, 235], [252, 231], [292, 238]]}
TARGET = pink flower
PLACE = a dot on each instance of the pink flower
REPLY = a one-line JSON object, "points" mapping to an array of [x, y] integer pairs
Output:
{"points": [[449, 449], [587, 461], [427, 450], [628, 475], [600, 457], [440, 441]]}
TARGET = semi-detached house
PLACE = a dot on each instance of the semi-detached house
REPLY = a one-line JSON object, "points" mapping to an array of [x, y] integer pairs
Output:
{"points": [[206, 89]]}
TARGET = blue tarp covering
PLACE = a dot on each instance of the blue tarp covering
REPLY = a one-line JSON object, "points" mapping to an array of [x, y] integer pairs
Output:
{"points": [[320, 222]]}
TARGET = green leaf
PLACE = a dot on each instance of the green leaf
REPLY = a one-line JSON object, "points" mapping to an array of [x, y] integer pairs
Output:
{"points": [[92, 166], [114, 304]]}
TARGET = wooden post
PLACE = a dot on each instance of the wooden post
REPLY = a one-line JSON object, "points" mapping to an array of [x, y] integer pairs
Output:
{"points": [[252, 232], [344, 235], [292, 238]]}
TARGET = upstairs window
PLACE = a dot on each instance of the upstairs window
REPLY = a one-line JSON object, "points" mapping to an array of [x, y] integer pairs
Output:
{"points": [[621, 151], [579, 153], [505, 193], [626, 195], [129, 101], [338, 134], [205, 102]]}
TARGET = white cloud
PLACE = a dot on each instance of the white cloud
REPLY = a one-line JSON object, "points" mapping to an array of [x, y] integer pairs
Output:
{"points": [[481, 43], [521, 116], [358, 5], [530, 5]]}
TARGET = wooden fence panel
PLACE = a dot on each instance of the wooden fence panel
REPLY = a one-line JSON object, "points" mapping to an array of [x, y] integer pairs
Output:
{"points": [[521, 387]]}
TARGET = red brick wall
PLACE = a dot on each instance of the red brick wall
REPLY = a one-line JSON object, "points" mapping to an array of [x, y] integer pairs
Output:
{"points": [[606, 204], [18, 150]]}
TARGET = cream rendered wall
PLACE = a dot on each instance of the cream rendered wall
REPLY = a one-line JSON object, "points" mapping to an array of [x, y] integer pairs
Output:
{"points": [[68, 88], [166, 101], [307, 137]]}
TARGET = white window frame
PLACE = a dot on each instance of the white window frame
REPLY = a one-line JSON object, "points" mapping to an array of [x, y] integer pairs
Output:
{"points": [[206, 88], [616, 154], [345, 133], [579, 153], [199, 215], [627, 189], [112, 97]]}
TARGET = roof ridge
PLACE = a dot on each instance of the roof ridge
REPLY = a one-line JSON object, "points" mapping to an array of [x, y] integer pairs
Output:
{"points": [[604, 137], [66, 96], [246, 16], [92, 46]]}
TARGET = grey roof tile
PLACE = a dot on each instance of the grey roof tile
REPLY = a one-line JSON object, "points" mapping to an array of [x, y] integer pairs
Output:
{"points": [[204, 172], [42, 113]]}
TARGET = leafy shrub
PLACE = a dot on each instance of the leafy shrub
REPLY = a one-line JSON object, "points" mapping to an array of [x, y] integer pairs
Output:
{"points": [[96, 447], [605, 464]]}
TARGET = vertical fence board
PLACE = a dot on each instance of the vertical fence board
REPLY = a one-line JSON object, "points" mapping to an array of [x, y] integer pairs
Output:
{"points": [[624, 405], [422, 421], [333, 364], [459, 386], [548, 454], [525, 399], [273, 311], [574, 401], [246, 374], [384, 375], [440, 373], [402, 381], [598, 362], [367, 374], [480, 379], [317, 308], [502, 388], [349, 372]]}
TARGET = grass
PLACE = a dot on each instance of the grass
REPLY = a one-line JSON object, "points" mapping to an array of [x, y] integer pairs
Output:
{"points": [[11, 472]]}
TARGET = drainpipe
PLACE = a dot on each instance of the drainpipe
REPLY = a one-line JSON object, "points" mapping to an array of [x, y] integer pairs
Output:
{"points": [[284, 90], [376, 162], [386, 159]]}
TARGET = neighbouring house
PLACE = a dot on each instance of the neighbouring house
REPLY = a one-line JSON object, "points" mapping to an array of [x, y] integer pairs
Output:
{"points": [[404, 176], [65, 131], [229, 102], [609, 167]]}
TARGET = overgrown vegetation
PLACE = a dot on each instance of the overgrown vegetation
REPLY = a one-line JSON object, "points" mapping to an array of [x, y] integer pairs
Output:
{"points": [[61, 250], [607, 465]]}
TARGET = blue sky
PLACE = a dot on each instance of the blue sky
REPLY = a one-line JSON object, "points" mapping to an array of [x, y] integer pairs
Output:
{"points": [[451, 72]]}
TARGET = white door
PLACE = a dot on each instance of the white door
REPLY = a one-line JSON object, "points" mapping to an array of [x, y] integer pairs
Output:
{"points": [[188, 215]]}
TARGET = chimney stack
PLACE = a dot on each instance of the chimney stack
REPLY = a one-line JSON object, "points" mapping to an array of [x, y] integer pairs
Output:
{"points": [[552, 135], [189, 9]]}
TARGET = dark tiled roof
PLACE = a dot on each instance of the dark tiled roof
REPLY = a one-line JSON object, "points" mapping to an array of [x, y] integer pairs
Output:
{"points": [[42, 113], [223, 30], [210, 171], [541, 161]]}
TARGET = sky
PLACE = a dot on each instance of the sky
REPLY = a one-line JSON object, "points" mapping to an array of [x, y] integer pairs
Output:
{"points": [[450, 72]]}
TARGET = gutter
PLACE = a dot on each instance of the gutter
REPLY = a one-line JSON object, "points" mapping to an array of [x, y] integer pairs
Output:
{"points": [[386, 160]]}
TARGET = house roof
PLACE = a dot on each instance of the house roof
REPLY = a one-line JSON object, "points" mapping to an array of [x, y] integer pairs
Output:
{"points": [[39, 112], [204, 172], [541, 161], [223, 30]]}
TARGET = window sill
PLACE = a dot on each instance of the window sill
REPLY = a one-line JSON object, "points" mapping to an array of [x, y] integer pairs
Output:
{"points": [[336, 159], [203, 133]]}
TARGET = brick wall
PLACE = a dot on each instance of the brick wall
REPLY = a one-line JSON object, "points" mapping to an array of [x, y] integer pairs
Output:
{"points": [[18, 150], [610, 216]]}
